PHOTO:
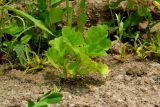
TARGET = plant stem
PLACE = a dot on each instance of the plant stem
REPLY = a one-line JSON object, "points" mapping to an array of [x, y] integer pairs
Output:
{"points": [[65, 73], [69, 14], [48, 5]]}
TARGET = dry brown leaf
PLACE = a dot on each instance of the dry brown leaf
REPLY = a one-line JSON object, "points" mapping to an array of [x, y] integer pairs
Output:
{"points": [[143, 25], [155, 28]]}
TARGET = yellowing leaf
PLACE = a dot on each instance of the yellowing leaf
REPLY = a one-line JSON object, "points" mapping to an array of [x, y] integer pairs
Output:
{"points": [[157, 4], [103, 69]]}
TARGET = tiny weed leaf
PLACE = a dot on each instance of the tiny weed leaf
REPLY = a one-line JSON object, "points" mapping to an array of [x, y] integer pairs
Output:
{"points": [[54, 98], [26, 38], [50, 97], [44, 96]]}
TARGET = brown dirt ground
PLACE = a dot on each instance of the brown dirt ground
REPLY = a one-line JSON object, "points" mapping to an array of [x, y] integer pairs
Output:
{"points": [[133, 83]]}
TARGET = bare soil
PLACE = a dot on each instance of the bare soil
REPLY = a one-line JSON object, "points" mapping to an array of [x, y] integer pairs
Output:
{"points": [[133, 83]]}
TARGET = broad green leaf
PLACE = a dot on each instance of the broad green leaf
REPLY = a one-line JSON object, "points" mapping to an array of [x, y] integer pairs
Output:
{"points": [[96, 40], [102, 68], [54, 57], [70, 53], [132, 20], [12, 29], [19, 48], [52, 98], [95, 33], [59, 45], [41, 104], [86, 60], [72, 68], [92, 51], [26, 38], [30, 103], [84, 70], [9, 44], [37, 22], [144, 11], [56, 15], [44, 96], [141, 10], [51, 52], [56, 54], [94, 66], [71, 36]]}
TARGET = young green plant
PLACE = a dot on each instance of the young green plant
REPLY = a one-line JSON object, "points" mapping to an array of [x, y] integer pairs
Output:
{"points": [[72, 54], [51, 97], [120, 34]]}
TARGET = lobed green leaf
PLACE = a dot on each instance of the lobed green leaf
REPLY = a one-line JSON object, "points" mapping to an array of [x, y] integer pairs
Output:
{"points": [[96, 41]]}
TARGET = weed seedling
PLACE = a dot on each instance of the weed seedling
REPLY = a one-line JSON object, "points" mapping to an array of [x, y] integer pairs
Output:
{"points": [[120, 33], [51, 97]]}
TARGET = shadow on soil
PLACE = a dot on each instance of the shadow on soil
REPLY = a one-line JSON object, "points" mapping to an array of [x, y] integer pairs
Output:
{"points": [[77, 86]]}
